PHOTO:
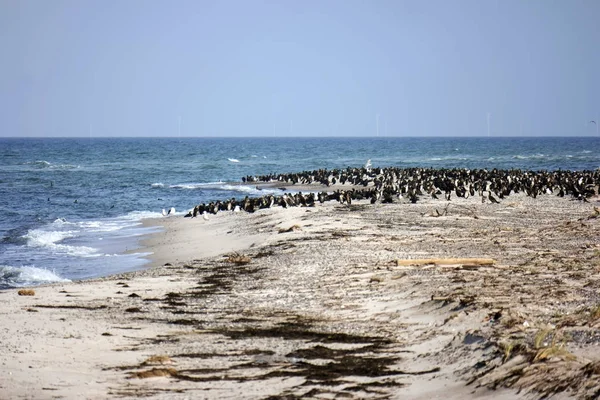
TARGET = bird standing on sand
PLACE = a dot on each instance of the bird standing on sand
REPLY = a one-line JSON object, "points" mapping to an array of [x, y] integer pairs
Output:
{"points": [[493, 199]]}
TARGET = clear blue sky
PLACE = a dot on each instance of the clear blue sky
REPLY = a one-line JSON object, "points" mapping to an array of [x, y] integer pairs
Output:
{"points": [[303, 67]]}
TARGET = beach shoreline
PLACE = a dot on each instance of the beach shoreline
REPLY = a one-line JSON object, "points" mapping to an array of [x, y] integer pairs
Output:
{"points": [[314, 302]]}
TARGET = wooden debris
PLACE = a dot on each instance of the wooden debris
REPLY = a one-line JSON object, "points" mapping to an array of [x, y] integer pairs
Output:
{"points": [[442, 299], [238, 259], [26, 292], [292, 228], [155, 373]]}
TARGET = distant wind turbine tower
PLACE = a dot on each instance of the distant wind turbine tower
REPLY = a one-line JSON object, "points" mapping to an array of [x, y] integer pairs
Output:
{"points": [[179, 127], [488, 122], [377, 122]]}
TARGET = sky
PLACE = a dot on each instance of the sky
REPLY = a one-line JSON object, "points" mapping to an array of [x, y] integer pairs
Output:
{"points": [[299, 68]]}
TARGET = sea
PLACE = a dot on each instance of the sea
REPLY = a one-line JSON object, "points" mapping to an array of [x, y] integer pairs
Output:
{"points": [[71, 208]]}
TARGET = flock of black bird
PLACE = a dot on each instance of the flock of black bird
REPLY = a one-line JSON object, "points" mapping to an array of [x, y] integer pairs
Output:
{"points": [[387, 185]]}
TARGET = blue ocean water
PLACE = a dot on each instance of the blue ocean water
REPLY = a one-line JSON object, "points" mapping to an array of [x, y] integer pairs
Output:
{"points": [[71, 208]]}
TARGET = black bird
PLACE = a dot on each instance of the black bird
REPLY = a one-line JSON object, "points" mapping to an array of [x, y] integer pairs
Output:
{"points": [[493, 199]]}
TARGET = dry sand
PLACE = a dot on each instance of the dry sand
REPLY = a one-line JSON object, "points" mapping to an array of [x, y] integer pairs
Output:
{"points": [[312, 303]]}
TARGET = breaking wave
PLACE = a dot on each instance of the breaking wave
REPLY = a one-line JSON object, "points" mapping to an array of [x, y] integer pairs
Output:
{"points": [[26, 276]]}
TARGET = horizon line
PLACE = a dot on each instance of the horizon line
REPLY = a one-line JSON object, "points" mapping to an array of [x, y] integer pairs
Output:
{"points": [[295, 137]]}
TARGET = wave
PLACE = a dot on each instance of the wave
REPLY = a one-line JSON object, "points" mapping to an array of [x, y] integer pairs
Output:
{"points": [[529, 157], [228, 187], [43, 164], [50, 240], [189, 186], [137, 216], [132, 218], [233, 160], [158, 185], [448, 159], [249, 190], [193, 186], [223, 186], [80, 234], [26, 276], [39, 164]]}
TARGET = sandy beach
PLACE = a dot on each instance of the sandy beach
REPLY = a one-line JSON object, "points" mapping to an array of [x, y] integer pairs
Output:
{"points": [[439, 299]]}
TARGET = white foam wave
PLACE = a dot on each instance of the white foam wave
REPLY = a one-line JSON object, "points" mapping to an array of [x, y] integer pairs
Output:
{"points": [[88, 225], [189, 186], [41, 238], [104, 225], [234, 160], [532, 156], [27, 276], [158, 185], [193, 186], [65, 166], [43, 164], [82, 233], [139, 215], [100, 226], [448, 159], [250, 190], [40, 163], [50, 240], [61, 222]]}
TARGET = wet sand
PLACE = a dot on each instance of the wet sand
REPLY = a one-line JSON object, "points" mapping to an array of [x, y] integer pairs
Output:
{"points": [[321, 302]]}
